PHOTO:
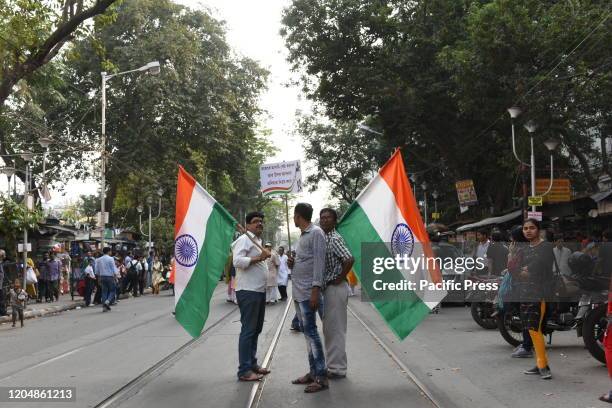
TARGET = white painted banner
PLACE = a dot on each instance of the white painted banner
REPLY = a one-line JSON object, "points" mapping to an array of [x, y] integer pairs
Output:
{"points": [[281, 178]]}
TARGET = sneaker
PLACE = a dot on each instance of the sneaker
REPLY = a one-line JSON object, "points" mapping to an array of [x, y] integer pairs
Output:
{"points": [[521, 352], [533, 371], [545, 373]]}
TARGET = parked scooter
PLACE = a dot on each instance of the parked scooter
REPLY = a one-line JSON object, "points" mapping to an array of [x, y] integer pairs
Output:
{"points": [[483, 305]]}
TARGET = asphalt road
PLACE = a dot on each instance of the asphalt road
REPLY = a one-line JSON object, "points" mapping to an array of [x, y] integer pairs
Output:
{"points": [[458, 363]]}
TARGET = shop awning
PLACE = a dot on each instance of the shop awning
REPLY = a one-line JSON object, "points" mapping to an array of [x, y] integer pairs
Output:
{"points": [[602, 195], [491, 221]]}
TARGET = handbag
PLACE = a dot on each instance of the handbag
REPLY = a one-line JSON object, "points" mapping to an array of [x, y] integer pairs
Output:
{"points": [[31, 276]]}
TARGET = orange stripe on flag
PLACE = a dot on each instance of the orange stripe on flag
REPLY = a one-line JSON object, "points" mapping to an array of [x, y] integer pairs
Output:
{"points": [[184, 189], [394, 174]]}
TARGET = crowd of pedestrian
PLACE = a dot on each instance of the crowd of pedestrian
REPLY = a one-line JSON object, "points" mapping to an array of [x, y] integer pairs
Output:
{"points": [[99, 277]]}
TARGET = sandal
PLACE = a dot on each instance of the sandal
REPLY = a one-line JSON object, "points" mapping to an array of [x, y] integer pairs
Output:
{"points": [[607, 397], [261, 370], [319, 384], [250, 376], [305, 379]]}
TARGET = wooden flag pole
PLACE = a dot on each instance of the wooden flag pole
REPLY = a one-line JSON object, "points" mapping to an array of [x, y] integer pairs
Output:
{"points": [[243, 230], [287, 217]]}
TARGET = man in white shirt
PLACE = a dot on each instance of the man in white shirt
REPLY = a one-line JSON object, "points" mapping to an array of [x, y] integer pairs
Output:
{"points": [[251, 278], [562, 255], [283, 273], [480, 251]]}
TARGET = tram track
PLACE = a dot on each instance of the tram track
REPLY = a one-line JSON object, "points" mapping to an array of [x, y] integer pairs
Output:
{"points": [[403, 368], [85, 346], [133, 386], [257, 389]]}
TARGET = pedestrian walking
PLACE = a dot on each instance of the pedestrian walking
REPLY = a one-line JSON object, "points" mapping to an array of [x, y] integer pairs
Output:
{"points": [[54, 267], [515, 261], [283, 273], [90, 281], [31, 279], [142, 275], [338, 263], [2, 293], [157, 278], [251, 277], [230, 279], [44, 289], [105, 267], [273, 262], [133, 273], [308, 268], [19, 298], [536, 277]]}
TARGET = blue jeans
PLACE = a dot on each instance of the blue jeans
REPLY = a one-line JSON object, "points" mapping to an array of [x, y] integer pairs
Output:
{"points": [[252, 307], [108, 289], [308, 320]]}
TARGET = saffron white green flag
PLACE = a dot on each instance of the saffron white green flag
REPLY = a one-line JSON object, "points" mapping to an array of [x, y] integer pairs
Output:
{"points": [[203, 233], [384, 221]]}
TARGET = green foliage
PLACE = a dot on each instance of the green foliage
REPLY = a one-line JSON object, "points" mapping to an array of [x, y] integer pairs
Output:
{"points": [[436, 77], [14, 218]]}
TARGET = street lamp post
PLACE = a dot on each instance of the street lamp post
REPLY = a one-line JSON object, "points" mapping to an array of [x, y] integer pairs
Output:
{"points": [[140, 209], [435, 196], [424, 188], [151, 68], [550, 144], [8, 172], [27, 157], [531, 128]]}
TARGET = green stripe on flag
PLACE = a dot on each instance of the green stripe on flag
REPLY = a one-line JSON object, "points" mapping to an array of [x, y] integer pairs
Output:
{"points": [[194, 305], [405, 312]]}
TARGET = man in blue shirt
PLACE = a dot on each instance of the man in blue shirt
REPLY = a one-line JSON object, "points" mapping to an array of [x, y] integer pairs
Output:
{"points": [[105, 270]]}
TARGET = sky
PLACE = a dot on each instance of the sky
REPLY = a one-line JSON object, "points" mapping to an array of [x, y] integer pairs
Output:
{"points": [[252, 31]]}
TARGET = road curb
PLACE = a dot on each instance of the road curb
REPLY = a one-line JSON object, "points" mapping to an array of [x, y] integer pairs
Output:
{"points": [[51, 309], [30, 314]]}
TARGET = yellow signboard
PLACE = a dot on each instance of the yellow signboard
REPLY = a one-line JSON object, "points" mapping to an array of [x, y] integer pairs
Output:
{"points": [[466, 193], [435, 216], [537, 201], [561, 190]]}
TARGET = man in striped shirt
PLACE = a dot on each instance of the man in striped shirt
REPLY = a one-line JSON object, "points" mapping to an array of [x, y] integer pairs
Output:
{"points": [[338, 263]]}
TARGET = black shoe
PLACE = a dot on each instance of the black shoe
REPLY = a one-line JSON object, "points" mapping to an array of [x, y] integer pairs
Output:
{"points": [[545, 373], [533, 371]]}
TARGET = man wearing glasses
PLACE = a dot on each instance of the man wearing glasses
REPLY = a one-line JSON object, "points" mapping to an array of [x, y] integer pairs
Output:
{"points": [[251, 278]]}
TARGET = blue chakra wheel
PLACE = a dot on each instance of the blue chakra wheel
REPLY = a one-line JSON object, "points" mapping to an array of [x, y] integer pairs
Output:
{"points": [[402, 240], [186, 250]]}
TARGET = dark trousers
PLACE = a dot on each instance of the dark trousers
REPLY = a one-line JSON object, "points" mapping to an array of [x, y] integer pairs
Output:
{"points": [[98, 295], [131, 283], [141, 282], [252, 307], [90, 284], [2, 302], [42, 290], [283, 292], [17, 311], [53, 286]]}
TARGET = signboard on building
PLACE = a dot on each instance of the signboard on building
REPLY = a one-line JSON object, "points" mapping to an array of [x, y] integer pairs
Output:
{"points": [[466, 193], [281, 178], [560, 192], [535, 201], [536, 215]]}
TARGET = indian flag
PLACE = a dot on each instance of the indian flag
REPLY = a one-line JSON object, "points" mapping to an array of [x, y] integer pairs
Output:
{"points": [[384, 221], [202, 236]]}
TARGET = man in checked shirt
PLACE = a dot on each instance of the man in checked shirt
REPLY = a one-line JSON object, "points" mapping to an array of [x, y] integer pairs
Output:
{"points": [[338, 263]]}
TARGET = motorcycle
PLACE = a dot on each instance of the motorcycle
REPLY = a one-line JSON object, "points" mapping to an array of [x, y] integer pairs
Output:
{"points": [[483, 305], [587, 315]]}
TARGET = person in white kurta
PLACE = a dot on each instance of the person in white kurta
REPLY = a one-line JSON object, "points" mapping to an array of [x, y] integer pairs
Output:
{"points": [[283, 273], [272, 295]]}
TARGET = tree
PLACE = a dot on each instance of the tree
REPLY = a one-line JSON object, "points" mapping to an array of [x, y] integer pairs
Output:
{"points": [[437, 76], [32, 33], [14, 218], [343, 155]]}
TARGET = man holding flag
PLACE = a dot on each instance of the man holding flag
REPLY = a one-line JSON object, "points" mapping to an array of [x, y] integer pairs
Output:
{"points": [[251, 278]]}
